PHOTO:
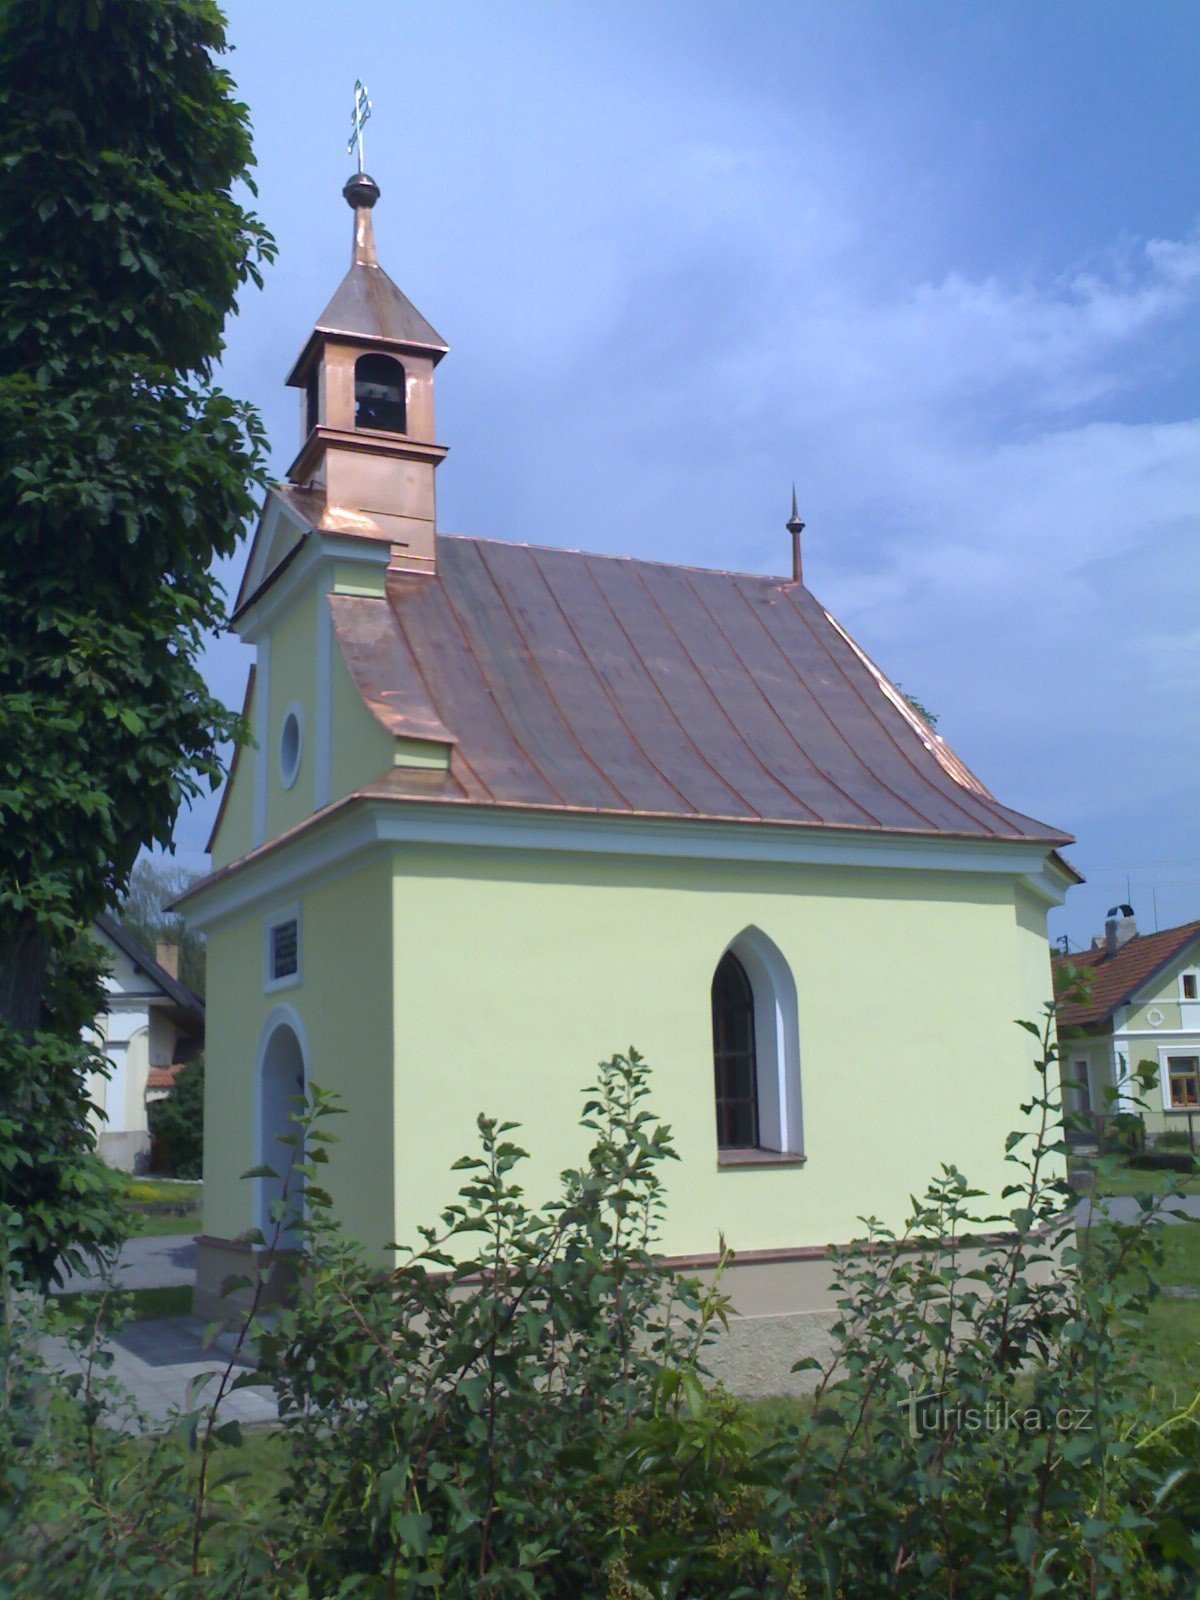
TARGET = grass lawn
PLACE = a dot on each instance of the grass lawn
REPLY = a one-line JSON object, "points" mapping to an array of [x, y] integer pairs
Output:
{"points": [[1132, 1180], [1168, 1359], [158, 1206], [173, 1302]]}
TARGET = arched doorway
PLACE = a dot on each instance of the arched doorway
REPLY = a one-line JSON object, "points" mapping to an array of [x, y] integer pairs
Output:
{"points": [[282, 1083]]}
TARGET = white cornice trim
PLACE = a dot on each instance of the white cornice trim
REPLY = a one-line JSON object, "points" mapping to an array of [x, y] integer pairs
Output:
{"points": [[364, 829], [317, 550], [1049, 883]]}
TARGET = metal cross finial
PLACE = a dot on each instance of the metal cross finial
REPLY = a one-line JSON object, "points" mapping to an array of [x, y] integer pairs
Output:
{"points": [[359, 120]]}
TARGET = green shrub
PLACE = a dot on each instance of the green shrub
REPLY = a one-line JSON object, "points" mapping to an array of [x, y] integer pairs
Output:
{"points": [[177, 1125], [519, 1408], [1173, 1139], [1163, 1161]]}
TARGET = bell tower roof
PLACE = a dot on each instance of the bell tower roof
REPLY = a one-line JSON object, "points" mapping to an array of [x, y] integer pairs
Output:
{"points": [[367, 306]]}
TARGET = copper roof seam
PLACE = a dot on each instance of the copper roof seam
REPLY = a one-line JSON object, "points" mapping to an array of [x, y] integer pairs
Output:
{"points": [[753, 754], [480, 668], [717, 701], [617, 560], [475, 776], [398, 613], [667, 707], [385, 686], [553, 698], [874, 714], [518, 749], [605, 691], [872, 776], [820, 771]]}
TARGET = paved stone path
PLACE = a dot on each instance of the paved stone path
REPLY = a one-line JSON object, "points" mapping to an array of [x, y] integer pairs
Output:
{"points": [[156, 1360], [164, 1262], [1125, 1208]]}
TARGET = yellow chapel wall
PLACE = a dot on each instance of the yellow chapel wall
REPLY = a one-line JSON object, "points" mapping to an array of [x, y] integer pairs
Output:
{"points": [[515, 972], [361, 747], [293, 682], [234, 836], [344, 1005]]}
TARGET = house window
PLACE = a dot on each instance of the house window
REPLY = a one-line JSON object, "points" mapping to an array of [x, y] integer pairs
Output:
{"points": [[1183, 1083], [379, 394], [282, 949], [734, 1056], [1189, 982], [1081, 1088]]}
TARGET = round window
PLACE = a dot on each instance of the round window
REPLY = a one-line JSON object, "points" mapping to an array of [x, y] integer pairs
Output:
{"points": [[290, 741]]}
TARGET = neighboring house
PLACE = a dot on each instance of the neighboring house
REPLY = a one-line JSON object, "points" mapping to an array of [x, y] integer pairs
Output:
{"points": [[152, 1026], [511, 808], [1144, 1005]]}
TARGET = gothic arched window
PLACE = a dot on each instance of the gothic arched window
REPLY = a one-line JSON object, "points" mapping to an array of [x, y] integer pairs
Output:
{"points": [[379, 394], [734, 1056], [756, 1049]]}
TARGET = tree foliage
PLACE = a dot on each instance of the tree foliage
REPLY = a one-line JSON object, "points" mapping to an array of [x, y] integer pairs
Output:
{"points": [[123, 243], [177, 1124], [125, 471], [142, 912], [53, 1189]]}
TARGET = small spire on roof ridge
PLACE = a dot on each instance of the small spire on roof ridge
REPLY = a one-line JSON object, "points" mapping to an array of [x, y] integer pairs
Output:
{"points": [[795, 527]]}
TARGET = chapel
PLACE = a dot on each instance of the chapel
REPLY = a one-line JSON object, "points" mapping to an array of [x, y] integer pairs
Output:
{"points": [[510, 808]]}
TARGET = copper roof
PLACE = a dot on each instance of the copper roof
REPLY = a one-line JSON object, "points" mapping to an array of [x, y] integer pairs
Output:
{"points": [[567, 681], [368, 306], [1116, 977]]}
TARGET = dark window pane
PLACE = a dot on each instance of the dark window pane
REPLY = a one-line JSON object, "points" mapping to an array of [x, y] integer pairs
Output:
{"points": [[734, 1066], [285, 950]]}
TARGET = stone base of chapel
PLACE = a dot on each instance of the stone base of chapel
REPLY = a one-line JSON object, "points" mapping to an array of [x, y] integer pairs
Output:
{"points": [[782, 1307], [218, 1260]]}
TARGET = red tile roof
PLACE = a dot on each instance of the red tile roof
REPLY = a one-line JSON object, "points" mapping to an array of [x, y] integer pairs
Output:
{"points": [[1114, 978], [565, 681]]}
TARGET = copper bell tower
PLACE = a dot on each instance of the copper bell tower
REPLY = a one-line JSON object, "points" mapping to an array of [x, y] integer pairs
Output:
{"points": [[366, 382]]}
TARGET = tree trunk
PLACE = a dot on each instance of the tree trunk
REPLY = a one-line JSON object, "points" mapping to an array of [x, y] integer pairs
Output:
{"points": [[24, 951]]}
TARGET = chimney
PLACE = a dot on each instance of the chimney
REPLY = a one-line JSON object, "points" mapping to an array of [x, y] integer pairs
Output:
{"points": [[1119, 928], [166, 953]]}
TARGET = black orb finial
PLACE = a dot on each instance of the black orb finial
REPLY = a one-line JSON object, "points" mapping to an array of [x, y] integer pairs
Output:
{"points": [[361, 190]]}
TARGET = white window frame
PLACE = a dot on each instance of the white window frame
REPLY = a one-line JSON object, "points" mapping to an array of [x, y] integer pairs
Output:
{"points": [[1166, 1054], [276, 920], [1079, 1070], [776, 1044], [1190, 972], [287, 778]]}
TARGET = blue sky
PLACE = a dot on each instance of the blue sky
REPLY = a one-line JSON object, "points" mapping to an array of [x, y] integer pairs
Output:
{"points": [[940, 263]]}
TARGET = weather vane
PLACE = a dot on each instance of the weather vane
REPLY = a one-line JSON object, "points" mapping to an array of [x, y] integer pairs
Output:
{"points": [[359, 120]]}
